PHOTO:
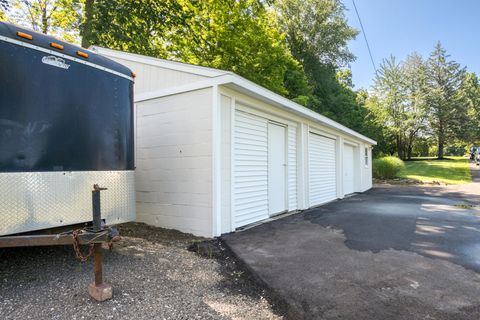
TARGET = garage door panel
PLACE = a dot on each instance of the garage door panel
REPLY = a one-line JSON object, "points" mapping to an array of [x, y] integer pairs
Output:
{"points": [[251, 204], [250, 169], [322, 169], [250, 218]]}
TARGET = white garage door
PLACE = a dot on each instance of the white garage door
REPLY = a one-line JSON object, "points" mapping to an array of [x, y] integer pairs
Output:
{"points": [[277, 165], [322, 169], [250, 169], [348, 169]]}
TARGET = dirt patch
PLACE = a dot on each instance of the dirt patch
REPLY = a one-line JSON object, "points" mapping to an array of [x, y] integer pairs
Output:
{"points": [[463, 205], [404, 181], [158, 235]]}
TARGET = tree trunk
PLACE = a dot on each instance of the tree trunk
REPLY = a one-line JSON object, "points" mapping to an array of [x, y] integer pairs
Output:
{"points": [[441, 140], [411, 140], [441, 145], [409, 152], [44, 19], [399, 147], [87, 24]]}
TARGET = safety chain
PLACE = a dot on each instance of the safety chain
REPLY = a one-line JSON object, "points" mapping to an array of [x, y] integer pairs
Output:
{"points": [[76, 247]]}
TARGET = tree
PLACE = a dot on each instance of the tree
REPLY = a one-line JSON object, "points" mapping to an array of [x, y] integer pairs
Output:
{"points": [[240, 36], [317, 34], [447, 109], [374, 124], [316, 28], [55, 17], [389, 88], [471, 95], [415, 86], [3, 8], [86, 25], [138, 26]]}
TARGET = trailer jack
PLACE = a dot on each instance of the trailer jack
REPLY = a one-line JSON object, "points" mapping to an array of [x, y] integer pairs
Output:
{"points": [[93, 236]]}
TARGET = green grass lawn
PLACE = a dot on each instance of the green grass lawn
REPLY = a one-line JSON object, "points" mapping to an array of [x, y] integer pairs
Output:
{"points": [[454, 171]]}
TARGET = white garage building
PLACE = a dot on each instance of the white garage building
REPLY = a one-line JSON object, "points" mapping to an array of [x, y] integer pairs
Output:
{"points": [[216, 152]]}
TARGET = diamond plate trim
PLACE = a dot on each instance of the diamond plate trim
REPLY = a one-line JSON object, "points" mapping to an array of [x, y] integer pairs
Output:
{"points": [[40, 200]]}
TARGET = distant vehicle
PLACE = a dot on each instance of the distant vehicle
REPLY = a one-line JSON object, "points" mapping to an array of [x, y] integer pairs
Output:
{"points": [[66, 123], [474, 154]]}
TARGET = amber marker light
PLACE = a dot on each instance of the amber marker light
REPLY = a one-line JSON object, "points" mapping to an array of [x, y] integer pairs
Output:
{"points": [[56, 46], [134, 74], [24, 35], [82, 54]]}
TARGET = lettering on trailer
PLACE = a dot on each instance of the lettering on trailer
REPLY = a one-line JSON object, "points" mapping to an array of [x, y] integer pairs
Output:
{"points": [[55, 61]]}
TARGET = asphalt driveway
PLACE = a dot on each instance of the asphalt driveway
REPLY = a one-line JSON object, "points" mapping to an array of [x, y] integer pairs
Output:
{"points": [[391, 253]]}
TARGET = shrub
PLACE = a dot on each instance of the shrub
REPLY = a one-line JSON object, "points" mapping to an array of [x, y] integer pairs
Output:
{"points": [[387, 167]]}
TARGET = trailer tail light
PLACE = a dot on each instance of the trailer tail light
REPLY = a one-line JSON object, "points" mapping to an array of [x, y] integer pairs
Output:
{"points": [[82, 54], [56, 46], [24, 35]]}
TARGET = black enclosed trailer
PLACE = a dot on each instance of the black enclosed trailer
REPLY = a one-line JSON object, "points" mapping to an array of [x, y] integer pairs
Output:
{"points": [[66, 124]]}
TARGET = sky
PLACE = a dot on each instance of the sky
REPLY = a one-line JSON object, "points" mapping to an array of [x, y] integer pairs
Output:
{"points": [[400, 27]]}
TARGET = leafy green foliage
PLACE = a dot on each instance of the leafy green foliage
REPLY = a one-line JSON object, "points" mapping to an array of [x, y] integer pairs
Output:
{"points": [[317, 34], [316, 30], [3, 9], [59, 18], [387, 167], [138, 26], [419, 102], [470, 93], [374, 125], [400, 105], [446, 108], [239, 36], [415, 86]]}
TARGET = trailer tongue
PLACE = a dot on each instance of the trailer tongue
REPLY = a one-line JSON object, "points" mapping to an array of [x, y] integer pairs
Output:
{"points": [[66, 124]]}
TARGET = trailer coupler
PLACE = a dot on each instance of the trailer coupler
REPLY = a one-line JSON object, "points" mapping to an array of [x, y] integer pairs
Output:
{"points": [[94, 236]]}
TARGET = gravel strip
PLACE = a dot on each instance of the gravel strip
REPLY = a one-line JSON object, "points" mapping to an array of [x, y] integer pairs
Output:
{"points": [[153, 275]]}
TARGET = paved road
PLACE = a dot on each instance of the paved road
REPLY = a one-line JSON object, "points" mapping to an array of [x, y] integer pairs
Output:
{"points": [[391, 253]]}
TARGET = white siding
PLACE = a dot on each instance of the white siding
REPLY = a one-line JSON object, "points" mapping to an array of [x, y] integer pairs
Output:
{"points": [[174, 162], [292, 167], [226, 114], [153, 78], [322, 169], [250, 169], [366, 168]]}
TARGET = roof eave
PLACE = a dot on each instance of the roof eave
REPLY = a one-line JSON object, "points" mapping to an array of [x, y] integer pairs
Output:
{"points": [[282, 102], [258, 92], [174, 65]]}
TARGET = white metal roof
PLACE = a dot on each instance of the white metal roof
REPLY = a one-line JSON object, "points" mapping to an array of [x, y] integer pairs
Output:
{"points": [[168, 64], [215, 77]]}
